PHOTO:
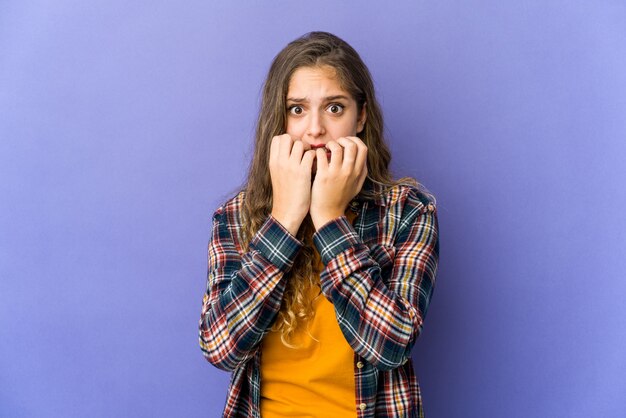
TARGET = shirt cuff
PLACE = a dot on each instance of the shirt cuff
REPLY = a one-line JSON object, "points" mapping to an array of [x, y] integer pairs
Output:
{"points": [[276, 244], [335, 237]]}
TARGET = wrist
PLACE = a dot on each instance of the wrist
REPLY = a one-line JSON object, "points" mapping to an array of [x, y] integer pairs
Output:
{"points": [[322, 219], [289, 223]]}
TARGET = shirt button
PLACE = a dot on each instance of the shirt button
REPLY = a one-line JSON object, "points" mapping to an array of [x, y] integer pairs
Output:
{"points": [[431, 206], [362, 406], [359, 365]]}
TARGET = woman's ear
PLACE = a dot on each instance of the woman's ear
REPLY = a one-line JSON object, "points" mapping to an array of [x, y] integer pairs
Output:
{"points": [[360, 123]]}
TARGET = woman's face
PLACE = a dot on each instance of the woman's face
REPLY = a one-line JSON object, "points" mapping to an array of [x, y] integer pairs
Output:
{"points": [[318, 109]]}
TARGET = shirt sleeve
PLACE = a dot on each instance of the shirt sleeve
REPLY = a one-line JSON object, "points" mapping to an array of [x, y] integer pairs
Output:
{"points": [[381, 317], [244, 292]]}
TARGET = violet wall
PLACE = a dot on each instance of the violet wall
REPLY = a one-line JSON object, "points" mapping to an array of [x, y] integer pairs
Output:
{"points": [[124, 124]]}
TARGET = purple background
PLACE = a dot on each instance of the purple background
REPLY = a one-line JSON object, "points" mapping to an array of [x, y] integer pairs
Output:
{"points": [[124, 124]]}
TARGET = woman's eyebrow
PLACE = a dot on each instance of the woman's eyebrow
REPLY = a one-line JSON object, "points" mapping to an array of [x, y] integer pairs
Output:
{"points": [[297, 99], [326, 99], [337, 97]]}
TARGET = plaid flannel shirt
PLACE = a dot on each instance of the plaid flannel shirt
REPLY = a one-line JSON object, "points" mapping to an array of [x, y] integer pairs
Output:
{"points": [[379, 274]]}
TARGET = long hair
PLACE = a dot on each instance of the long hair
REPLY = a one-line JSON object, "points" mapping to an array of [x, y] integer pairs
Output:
{"points": [[315, 49]]}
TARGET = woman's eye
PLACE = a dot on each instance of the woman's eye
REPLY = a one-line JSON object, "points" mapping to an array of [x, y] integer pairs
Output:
{"points": [[335, 108], [295, 110]]}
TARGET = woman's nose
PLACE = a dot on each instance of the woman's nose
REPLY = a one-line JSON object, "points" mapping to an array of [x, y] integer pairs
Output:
{"points": [[315, 128]]}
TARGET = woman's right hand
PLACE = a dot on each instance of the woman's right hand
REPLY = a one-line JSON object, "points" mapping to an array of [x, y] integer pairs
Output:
{"points": [[291, 162]]}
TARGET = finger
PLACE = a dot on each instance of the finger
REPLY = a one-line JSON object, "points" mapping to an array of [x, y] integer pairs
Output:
{"points": [[350, 150], [361, 181], [356, 140], [306, 146], [336, 153], [297, 150], [361, 157], [307, 159], [364, 174], [361, 152], [285, 147], [322, 162]]}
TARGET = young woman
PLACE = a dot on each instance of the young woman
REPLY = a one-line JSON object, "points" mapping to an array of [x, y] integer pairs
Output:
{"points": [[322, 268]]}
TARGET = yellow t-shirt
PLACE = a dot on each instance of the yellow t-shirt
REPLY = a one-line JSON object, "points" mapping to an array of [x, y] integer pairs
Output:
{"points": [[317, 378]]}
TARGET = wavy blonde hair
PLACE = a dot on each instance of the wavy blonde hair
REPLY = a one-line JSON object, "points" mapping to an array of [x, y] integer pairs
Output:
{"points": [[314, 49]]}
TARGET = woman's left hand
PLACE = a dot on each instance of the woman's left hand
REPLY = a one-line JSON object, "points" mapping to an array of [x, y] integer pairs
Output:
{"points": [[337, 181]]}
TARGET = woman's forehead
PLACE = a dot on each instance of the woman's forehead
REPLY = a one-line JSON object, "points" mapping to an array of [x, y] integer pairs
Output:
{"points": [[304, 80]]}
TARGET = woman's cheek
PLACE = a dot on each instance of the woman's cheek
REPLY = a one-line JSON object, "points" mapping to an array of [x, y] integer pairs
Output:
{"points": [[294, 129]]}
